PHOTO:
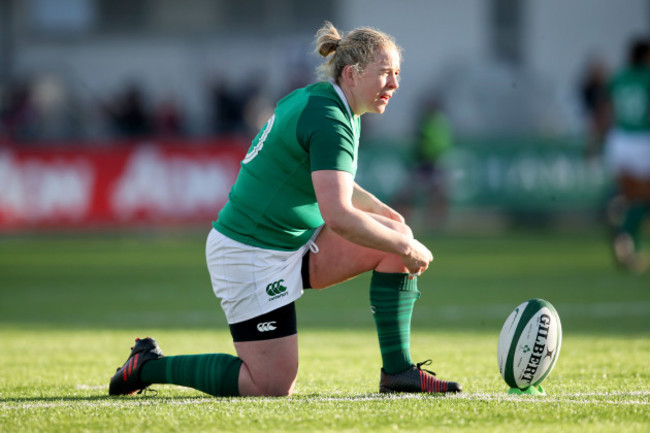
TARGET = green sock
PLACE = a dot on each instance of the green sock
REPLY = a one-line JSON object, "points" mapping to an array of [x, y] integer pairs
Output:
{"points": [[216, 374], [392, 297], [633, 220]]}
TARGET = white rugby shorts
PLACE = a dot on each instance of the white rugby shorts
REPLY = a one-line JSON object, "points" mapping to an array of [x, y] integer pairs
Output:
{"points": [[628, 153], [252, 281]]}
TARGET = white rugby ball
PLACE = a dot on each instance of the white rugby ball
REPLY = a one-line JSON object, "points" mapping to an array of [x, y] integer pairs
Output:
{"points": [[529, 344]]}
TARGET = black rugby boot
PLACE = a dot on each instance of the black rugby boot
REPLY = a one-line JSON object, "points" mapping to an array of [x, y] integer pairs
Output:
{"points": [[416, 379], [126, 380]]}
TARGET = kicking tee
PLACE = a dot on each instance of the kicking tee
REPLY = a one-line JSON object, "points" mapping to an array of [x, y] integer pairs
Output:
{"points": [[272, 203]]}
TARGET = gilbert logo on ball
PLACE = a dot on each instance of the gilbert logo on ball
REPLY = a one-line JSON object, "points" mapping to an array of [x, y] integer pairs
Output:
{"points": [[529, 344]]}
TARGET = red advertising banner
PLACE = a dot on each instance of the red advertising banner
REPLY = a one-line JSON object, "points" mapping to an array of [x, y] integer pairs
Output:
{"points": [[147, 183]]}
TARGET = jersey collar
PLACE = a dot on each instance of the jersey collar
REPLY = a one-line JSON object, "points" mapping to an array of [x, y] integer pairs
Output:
{"points": [[339, 92]]}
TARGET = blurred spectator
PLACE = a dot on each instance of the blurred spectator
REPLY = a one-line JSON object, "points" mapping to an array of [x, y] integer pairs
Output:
{"points": [[17, 113], [238, 109], [594, 100], [168, 119], [227, 105], [257, 107], [57, 113], [257, 111], [628, 154], [130, 117]]}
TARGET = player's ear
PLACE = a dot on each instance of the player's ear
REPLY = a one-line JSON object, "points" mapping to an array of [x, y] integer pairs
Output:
{"points": [[348, 74]]}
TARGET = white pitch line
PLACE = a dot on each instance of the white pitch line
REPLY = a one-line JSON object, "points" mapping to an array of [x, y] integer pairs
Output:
{"points": [[91, 387], [562, 398], [573, 398]]}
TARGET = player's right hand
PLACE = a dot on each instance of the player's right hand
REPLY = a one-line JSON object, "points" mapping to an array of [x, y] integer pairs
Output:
{"points": [[417, 259]]}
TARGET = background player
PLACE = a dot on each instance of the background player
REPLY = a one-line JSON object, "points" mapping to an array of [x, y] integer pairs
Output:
{"points": [[628, 152]]}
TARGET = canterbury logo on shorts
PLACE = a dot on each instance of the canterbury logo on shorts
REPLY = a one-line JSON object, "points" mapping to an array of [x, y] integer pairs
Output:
{"points": [[266, 326], [276, 290]]}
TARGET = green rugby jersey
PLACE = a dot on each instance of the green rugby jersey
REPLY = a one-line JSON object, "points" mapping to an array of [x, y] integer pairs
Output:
{"points": [[272, 203], [630, 92]]}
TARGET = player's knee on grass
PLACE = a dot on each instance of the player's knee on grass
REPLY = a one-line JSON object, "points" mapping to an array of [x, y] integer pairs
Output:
{"points": [[268, 382], [270, 366], [279, 388]]}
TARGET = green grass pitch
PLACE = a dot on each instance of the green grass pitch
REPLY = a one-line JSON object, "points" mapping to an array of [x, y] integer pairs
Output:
{"points": [[70, 307]]}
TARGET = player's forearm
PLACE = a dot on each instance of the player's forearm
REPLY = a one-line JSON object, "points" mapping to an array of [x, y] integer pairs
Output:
{"points": [[363, 200], [351, 212], [361, 228]]}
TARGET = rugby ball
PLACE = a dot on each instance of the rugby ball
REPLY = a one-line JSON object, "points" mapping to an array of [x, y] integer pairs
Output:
{"points": [[529, 344]]}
